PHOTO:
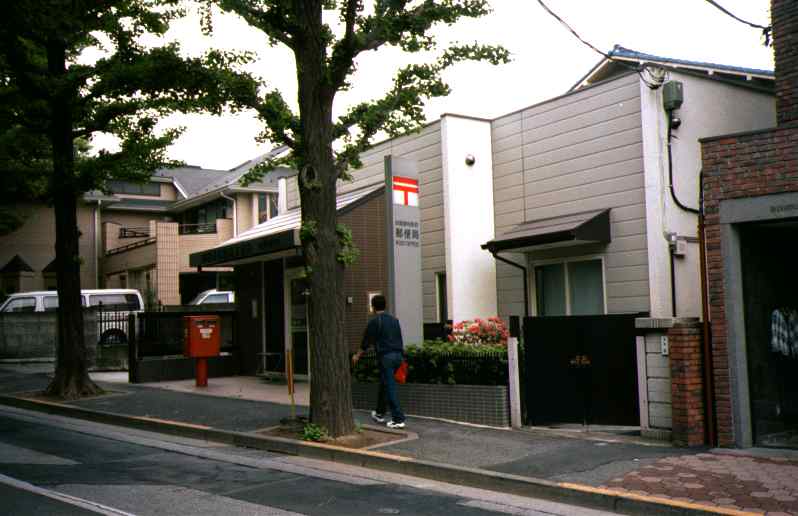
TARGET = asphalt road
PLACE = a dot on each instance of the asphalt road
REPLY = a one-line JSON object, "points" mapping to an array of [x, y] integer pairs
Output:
{"points": [[53, 465]]}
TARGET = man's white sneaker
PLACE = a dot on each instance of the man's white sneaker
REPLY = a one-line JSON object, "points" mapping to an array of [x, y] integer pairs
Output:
{"points": [[394, 424], [378, 418]]}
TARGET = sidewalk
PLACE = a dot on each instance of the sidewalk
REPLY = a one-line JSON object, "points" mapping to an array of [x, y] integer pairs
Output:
{"points": [[720, 481]]}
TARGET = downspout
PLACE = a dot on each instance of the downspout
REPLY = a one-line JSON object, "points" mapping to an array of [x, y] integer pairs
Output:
{"points": [[235, 219], [526, 278], [709, 383], [706, 352]]}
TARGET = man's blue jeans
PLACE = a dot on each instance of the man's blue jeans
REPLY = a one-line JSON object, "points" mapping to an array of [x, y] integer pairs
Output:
{"points": [[388, 364]]}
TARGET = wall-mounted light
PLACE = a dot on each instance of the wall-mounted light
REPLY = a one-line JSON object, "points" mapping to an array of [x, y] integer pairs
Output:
{"points": [[470, 159]]}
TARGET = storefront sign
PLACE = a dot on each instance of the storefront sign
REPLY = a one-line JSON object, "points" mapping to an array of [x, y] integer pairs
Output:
{"points": [[404, 246]]}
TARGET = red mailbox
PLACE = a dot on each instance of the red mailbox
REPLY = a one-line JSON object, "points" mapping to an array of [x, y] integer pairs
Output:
{"points": [[201, 341]]}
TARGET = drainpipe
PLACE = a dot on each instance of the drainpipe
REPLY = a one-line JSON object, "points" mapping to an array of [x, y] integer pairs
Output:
{"points": [[235, 219], [709, 384], [526, 278], [706, 352]]}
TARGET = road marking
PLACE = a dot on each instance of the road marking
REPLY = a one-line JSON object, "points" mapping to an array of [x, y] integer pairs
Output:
{"points": [[61, 497]]}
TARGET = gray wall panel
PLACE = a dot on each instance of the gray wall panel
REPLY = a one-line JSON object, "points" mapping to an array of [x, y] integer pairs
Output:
{"points": [[578, 152]]}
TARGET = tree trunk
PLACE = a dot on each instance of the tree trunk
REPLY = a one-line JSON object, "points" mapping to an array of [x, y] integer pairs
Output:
{"points": [[330, 387], [71, 373]]}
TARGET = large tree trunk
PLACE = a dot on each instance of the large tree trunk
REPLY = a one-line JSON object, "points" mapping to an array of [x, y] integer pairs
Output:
{"points": [[330, 391], [71, 373]]}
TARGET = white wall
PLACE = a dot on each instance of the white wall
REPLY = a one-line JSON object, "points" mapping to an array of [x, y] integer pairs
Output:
{"points": [[710, 108], [468, 220]]}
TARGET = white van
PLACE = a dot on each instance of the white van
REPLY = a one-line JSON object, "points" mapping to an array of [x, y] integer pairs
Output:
{"points": [[116, 304]]}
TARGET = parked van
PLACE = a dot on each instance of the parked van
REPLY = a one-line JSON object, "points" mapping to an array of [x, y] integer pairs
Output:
{"points": [[115, 304], [214, 296]]}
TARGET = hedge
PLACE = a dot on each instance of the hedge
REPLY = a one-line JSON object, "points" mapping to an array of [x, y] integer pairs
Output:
{"points": [[439, 362]]}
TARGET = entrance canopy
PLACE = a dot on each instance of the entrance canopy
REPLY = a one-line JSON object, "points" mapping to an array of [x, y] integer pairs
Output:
{"points": [[589, 227], [277, 236]]}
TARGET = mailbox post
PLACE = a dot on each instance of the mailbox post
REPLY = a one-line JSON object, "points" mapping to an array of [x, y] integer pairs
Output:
{"points": [[201, 342]]}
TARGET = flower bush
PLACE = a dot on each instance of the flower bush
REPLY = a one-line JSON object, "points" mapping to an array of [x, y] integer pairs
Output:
{"points": [[480, 332]]}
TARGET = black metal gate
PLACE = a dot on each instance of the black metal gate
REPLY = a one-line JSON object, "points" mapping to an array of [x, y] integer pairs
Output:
{"points": [[581, 369]]}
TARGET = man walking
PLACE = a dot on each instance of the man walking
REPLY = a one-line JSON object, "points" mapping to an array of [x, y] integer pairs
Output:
{"points": [[385, 335]]}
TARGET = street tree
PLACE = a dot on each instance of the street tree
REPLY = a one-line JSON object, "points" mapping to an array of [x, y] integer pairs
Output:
{"points": [[326, 37], [71, 70]]}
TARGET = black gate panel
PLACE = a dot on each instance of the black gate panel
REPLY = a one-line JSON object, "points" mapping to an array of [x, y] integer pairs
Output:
{"points": [[581, 369]]}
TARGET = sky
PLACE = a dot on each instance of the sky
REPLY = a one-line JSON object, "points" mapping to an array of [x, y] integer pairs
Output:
{"points": [[546, 60]]}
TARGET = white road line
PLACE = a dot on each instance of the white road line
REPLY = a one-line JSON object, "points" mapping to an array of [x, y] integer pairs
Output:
{"points": [[61, 497]]}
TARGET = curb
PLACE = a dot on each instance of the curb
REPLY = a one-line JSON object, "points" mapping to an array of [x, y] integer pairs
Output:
{"points": [[578, 494]]}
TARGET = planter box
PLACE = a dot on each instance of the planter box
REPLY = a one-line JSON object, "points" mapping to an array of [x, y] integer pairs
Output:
{"points": [[479, 404]]}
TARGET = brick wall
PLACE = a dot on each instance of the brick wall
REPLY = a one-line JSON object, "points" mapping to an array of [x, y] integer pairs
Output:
{"points": [[785, 46], [369, 272], [687, 393], [744, 165]]}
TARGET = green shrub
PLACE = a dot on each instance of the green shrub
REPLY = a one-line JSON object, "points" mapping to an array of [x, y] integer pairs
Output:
{"points": [[440, 362], [314, 432]]}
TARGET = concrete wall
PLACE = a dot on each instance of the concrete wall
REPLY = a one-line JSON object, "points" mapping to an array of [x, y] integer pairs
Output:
{"points": [[468, 221], [710, 107], [35, 335], [35, 242], [578, 152], [425, 148]]}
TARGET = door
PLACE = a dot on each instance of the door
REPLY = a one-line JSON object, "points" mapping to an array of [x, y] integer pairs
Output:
{"points": [[581, 369], [296, 302]]}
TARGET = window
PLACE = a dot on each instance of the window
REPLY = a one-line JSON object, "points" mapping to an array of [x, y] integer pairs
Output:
{"points": [[115, 301], [21, 304], [50, 303], [131, 188], [570, 288], [267, 206], [443, 308], [215, 298]]}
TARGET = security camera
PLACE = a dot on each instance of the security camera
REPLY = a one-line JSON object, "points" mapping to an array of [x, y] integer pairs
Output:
{"points": [[470, 159]]}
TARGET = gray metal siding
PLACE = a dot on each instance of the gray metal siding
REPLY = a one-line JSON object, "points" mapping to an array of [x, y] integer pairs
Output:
{"points": [[425, 148], [576, 153]]}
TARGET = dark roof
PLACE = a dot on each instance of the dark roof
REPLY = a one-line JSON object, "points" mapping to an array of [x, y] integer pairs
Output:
{"points": [[587, 227], [16, 264], [194, 179], [620, 58], [50, 267], [619, 51]]}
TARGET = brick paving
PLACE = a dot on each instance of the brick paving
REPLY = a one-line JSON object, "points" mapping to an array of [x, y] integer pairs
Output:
{"points": [[760, 485]]}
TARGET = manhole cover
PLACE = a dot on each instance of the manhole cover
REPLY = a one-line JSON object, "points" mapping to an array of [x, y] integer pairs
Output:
{"points": [[388, 510]]}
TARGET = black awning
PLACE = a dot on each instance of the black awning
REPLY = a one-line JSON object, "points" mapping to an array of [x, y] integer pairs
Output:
{"points": [[589, 227]]}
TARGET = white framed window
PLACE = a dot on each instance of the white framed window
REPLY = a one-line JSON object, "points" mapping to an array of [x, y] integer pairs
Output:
{"points": [[573, 286]]}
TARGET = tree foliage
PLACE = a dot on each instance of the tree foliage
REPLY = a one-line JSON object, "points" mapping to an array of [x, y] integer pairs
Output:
{"points": [[326, 38], [71, 70]]}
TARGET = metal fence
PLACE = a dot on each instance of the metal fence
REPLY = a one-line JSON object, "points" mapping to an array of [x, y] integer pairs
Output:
{"points": [[161, 333]]}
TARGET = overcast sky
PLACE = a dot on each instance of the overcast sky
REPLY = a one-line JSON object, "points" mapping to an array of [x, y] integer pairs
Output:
{"points": [[547, 59]]}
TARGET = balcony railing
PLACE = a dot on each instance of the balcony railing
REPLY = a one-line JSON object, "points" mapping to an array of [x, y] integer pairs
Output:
{"points": [[135, 232], [196, 229]]}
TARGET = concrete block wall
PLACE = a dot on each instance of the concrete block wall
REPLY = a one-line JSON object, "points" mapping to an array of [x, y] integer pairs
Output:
{"points": [[35, 335], [479, 404], [658, 382]]}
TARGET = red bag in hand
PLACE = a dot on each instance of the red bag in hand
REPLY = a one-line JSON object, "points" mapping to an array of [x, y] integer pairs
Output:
{"points": [[400, 375]]}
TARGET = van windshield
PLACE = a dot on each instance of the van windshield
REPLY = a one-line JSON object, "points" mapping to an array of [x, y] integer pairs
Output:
{"points": [[115, 301]]}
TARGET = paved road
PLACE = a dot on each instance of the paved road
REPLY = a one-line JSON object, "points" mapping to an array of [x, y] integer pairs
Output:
{"points": [[53, 465]]}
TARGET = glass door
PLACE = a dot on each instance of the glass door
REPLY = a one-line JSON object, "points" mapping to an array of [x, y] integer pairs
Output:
{"points": [[297, 320]]}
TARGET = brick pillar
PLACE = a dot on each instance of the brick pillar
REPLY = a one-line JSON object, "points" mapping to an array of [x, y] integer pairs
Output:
{"points": [[784, 14], [687, 393]]}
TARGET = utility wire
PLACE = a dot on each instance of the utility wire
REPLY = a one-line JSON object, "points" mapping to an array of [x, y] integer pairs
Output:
{"points": [[609, 57], [765, 30]]}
